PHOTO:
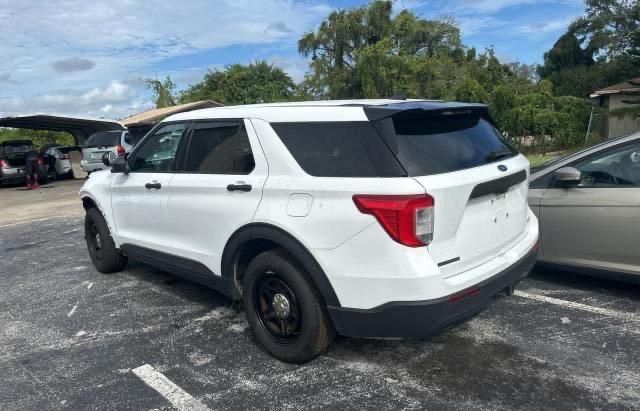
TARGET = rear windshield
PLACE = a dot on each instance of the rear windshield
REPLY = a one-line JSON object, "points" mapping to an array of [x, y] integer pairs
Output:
{"points": [[435, 143], [103, 139], [10, 148]]}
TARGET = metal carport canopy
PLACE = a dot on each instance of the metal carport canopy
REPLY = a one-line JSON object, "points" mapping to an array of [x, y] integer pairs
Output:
{"points": [[79, 128]]}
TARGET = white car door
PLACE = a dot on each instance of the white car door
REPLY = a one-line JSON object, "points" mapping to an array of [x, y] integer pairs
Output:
{"points": [[139, 197], [217, 190]]}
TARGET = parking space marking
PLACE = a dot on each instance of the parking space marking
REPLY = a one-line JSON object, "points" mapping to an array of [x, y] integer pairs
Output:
{"points": [[73, 310], [626, 316], [165, 387]]}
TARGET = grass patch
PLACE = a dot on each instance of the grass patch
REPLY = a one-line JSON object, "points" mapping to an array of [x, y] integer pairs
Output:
{"points": [[537, 160]]}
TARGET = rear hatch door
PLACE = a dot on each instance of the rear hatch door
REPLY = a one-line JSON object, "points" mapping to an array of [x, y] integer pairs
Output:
{"points": [[478, 182], [13, 152]]}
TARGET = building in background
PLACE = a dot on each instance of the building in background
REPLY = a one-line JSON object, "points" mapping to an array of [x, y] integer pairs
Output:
{"points": [[620, 97], [139, 124]]}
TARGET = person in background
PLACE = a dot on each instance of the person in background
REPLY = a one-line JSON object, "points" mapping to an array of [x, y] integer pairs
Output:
{"points": [[31, 163]]}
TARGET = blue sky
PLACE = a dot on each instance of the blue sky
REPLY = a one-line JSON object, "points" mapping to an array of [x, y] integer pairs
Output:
{"points": [[89, 58]]}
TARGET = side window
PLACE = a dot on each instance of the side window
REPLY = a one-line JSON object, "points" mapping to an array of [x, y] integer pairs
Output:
{"points": [[326, 149], [158, 152], [219, 148], [127, 138], [617, 167]]}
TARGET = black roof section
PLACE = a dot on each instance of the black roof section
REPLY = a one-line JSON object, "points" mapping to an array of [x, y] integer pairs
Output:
{"points": [[378, 112]]}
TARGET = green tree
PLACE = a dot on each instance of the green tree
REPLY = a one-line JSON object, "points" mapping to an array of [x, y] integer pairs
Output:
{"points": [[163, 91], [566, 53], [39, 137], [258, 82], [348, 44], [612, 28], [471, 91]]}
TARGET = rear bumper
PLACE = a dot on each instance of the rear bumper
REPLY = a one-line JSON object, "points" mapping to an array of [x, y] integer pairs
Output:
{"points": [[10, 174], [420, 319], [92, 166]]}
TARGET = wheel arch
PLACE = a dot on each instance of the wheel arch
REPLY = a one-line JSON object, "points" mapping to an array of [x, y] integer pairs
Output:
{"points": [[89, 201], [252, 239]]}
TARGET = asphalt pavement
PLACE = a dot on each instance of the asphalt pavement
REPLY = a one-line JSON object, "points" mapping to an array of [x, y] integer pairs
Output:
{"points": [[72, 338]]}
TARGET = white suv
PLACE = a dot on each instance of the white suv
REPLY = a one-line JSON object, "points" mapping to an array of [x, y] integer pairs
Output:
{"points": [[118, 142], [370, 218]]}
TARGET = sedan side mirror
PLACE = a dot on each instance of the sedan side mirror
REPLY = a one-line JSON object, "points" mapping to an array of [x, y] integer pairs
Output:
{"points": [[567, 177]]}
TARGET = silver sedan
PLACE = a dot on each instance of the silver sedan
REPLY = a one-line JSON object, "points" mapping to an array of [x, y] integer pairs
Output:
{"points": [[588, 205]]}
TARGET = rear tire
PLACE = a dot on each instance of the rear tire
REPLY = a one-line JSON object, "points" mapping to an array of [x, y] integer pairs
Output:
{"points": [[104, 254], [285, 312]]}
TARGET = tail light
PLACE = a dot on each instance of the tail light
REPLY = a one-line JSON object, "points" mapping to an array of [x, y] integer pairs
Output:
{"points": [[408, 219], [4, 164], [64, 156], [40, 161], [120, 150]]}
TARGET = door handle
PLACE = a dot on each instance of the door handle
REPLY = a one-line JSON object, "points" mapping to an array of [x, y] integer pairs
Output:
{"points": [[239, 187], [155, 185]]}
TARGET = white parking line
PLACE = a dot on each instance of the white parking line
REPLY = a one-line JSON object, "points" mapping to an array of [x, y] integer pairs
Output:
{"points": [[165, 387], [622, 315], [73, 310]]}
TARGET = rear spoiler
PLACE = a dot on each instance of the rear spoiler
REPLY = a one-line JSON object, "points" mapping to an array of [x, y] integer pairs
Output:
{"points": [[375, 113]]}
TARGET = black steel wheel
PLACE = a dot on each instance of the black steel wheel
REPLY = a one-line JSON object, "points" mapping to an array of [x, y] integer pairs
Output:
{"points": [[94, 243], [277, 308], [104, 254], [284, 309]]}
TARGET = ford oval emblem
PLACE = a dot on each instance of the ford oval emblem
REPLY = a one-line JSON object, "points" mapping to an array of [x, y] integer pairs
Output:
{"points": [[502, 167]]}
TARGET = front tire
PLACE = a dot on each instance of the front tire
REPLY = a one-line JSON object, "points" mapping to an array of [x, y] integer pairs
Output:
{"points": [[104, 254], [284, 310]]}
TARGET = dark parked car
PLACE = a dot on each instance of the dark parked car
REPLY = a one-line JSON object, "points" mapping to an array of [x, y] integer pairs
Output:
{"points": [[13, 164]]}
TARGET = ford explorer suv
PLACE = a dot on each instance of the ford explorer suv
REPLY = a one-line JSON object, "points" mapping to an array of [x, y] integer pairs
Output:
{"points": [[118, 142], [366, 218]]}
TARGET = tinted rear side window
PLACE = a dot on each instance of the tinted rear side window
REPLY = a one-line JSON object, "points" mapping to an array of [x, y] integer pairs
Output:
{"points": [[326, 149], [219, 148], [435, 143], [104, 139]]}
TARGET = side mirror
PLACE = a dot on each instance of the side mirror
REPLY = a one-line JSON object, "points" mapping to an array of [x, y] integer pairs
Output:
{"points": [[120, 165], [567, 177], [108, 158]]}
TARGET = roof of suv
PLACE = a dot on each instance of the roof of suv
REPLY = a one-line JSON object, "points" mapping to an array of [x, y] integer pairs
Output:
{"points": [[318, 111]]}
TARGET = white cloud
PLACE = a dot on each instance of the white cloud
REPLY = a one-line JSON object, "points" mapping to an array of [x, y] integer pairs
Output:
{"points": [[470, 25], [102, 48], [546, 26], [113, 99]]}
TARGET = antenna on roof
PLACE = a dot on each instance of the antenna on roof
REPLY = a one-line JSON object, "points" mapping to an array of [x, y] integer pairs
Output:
{"points": [[399, 95]]}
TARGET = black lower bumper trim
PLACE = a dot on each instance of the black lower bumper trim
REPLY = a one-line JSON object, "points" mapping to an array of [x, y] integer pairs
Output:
{"points": [[420, 319]]}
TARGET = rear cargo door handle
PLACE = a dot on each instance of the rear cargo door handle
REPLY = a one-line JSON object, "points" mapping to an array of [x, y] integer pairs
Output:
{"points": [[239, 187], [152, 185]]}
